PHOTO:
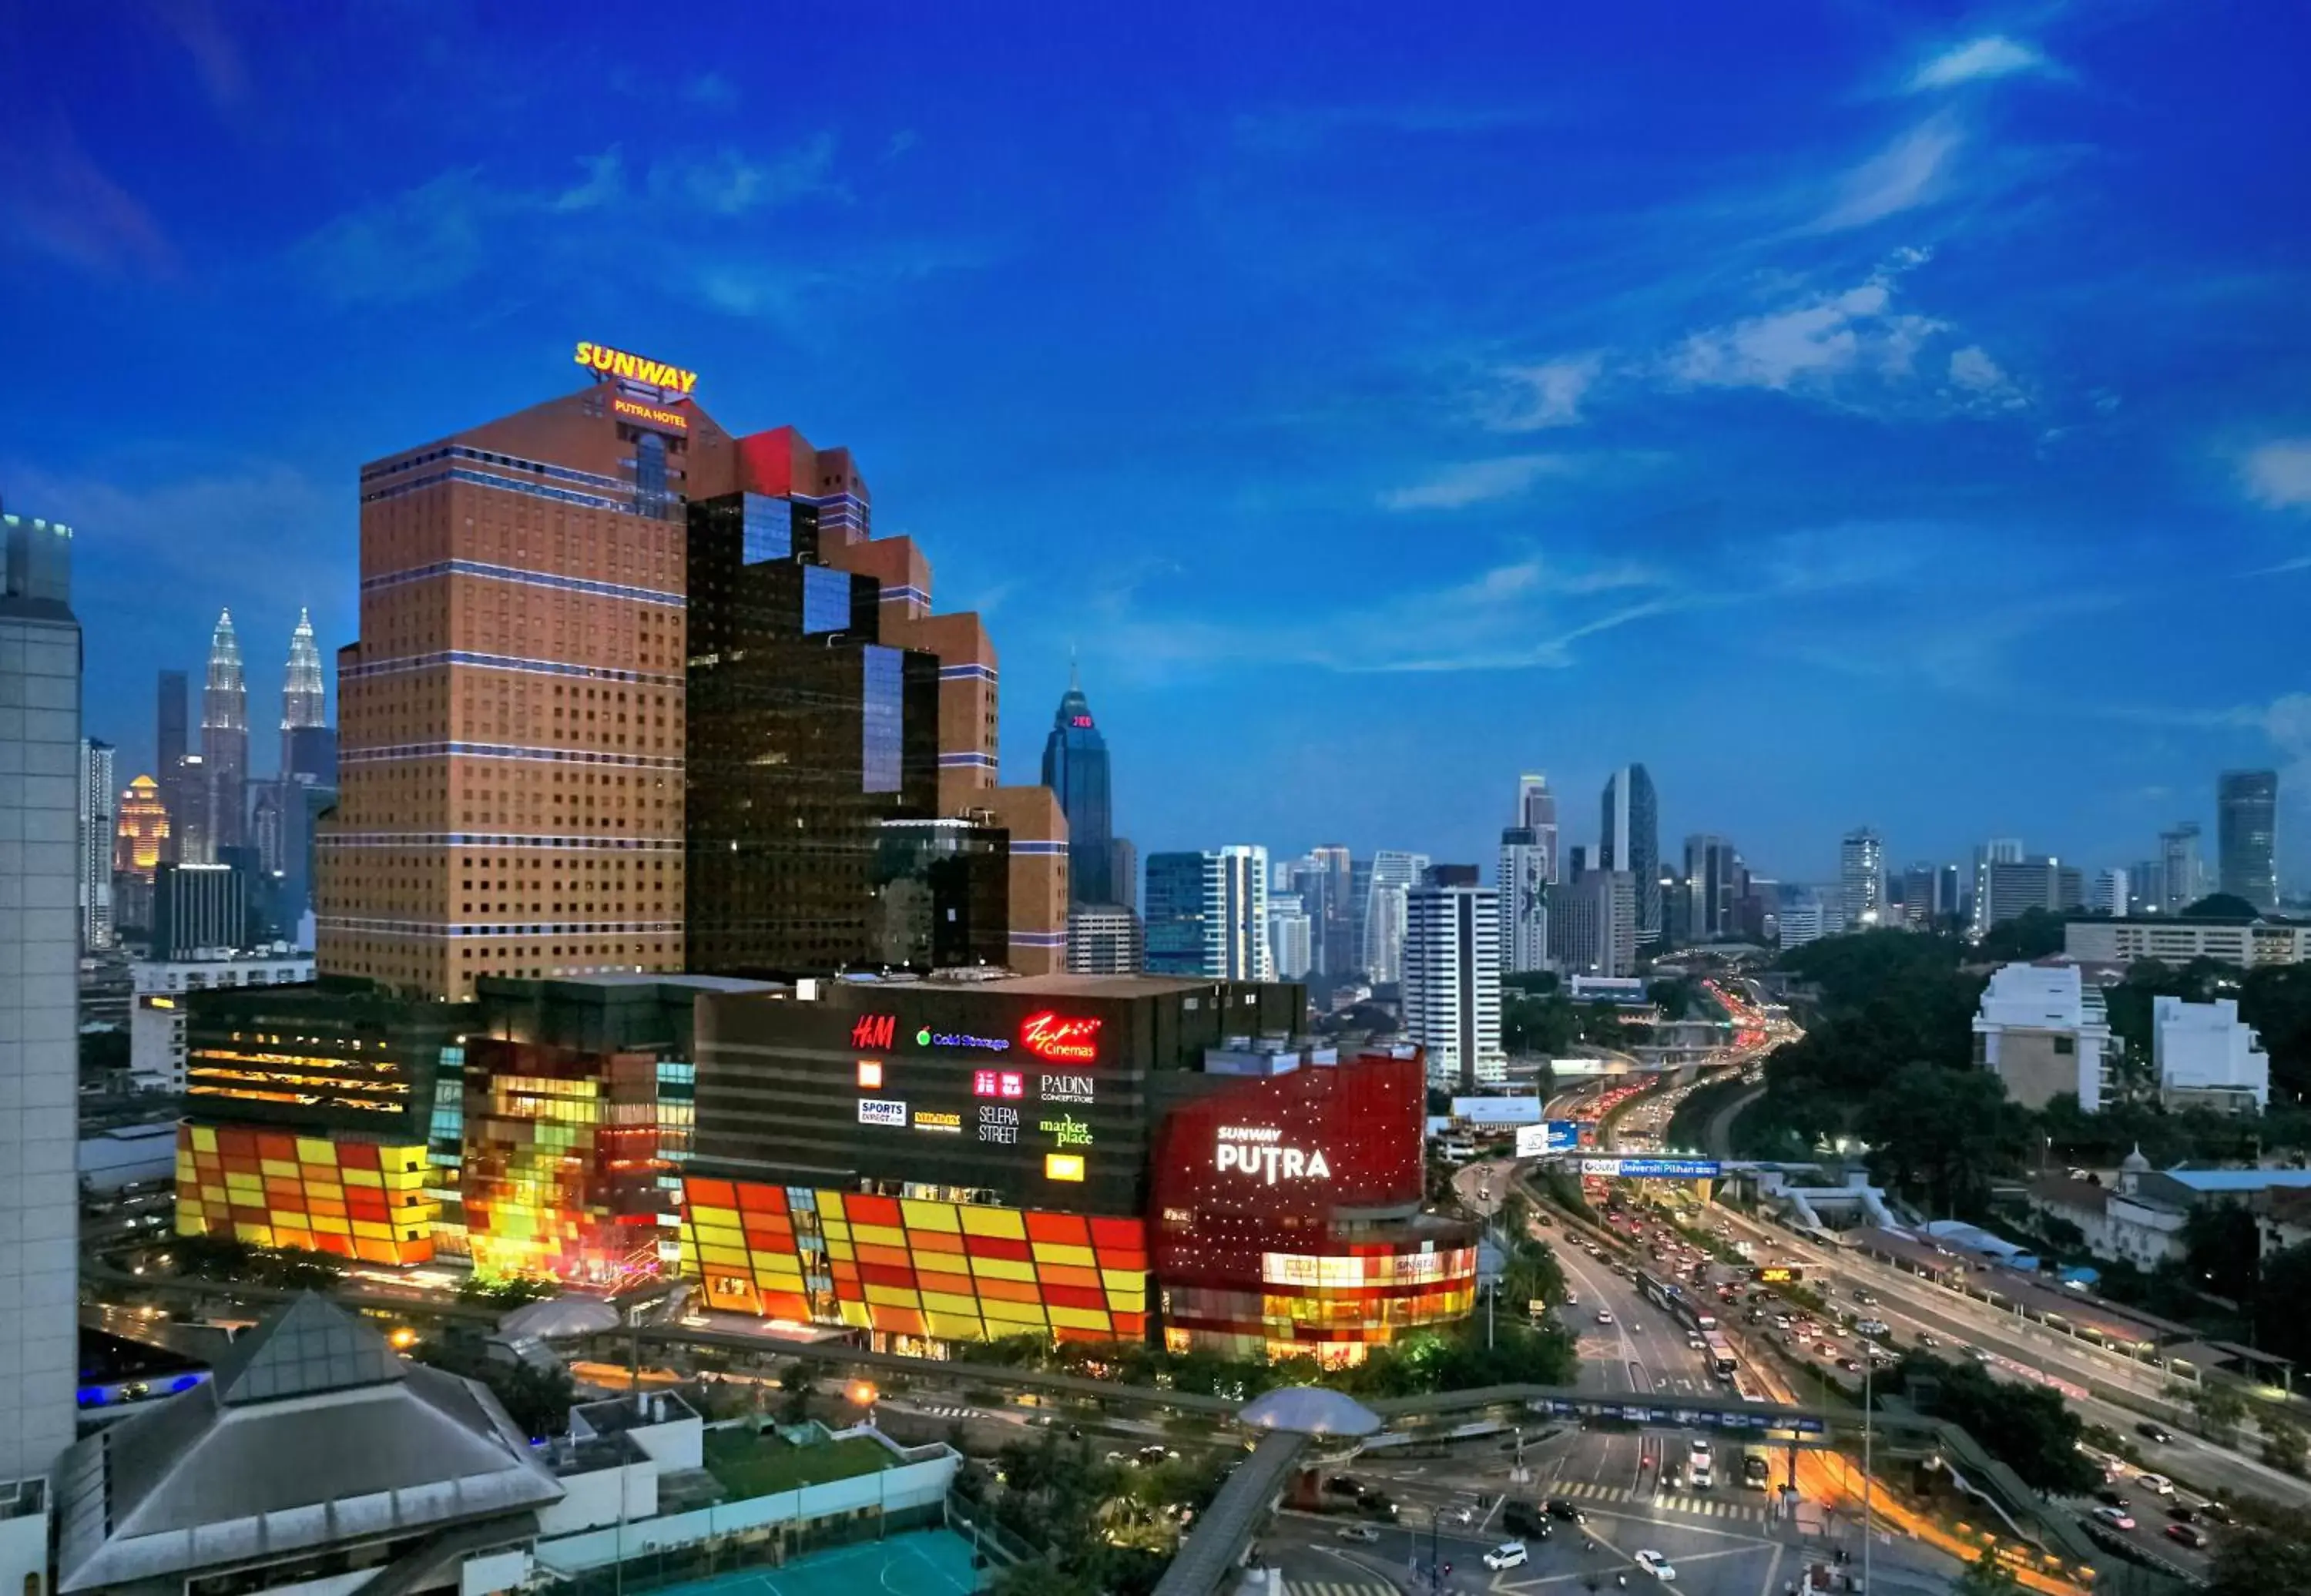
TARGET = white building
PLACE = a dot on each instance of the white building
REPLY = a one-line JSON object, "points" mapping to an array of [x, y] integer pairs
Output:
{"points": [[1594, 927], [2207, 1056], [1290, 937], [1808, 919], [1452, 983], [98, 813], [1523, 879], [1235, 914], [1987, 856], [2182, 873], [1103, 939], [2121, 1224], [1394, 873], [2044, 1030], [40, 1005], [276, 968], [1861, 879], [2173, 941], [2111, 892]]}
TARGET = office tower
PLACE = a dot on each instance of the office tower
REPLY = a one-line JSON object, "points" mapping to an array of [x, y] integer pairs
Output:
{"points": [[140, 836], [1711, 871], [1947, 901], [192, 836], [1289, 936], [2112, 893], [169, 749], [1076, 770], [2041, 883], [1323, 880], [2247, 815], [1808, 919], [1452, 980], [1208, 914], [1123, 874], [1536, 805], [302, 691], [1521, 879], [96, 829], [224, 737], [200, 911], [1998, 851], [1629, 840], [1103, 939], [2145, 890], [1861, 879], [1593, 930], [1172, 917], [1922, 908], [39, 1000], [2182, 874], [1388, 877]]}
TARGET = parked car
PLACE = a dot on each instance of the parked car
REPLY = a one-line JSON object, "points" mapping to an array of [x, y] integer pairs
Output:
{"points": [[1509, 1554], [2189, 1535], [2117, 1518]]}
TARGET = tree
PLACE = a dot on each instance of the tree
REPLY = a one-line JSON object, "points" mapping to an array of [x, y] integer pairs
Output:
{"points": [[1944, 1133], [2283, 1447], [2223, 1249], [2282, 1326], [2253, 1560], [2032, 934], [2222, 906], [1041, 1577], [1985, 1576], [2220, 1408], [2030, 1429]]}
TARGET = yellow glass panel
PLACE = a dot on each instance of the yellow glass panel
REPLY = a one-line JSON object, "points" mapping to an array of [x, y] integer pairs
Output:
{"points": [[371, 1229], [946, 1302], [1082, 1258], [1003, 1269], [881, 1235], [733, 1258], [891, 1296], [1127, 1302], [1002, 1222], [361, 1177], [839, 1249], [187, 1170], [1134, 1281], [1011, 1313], [829, 1207], [204, 1137], [333, 1223], [834, 1227], [216, 1194], [312, 1150], [186, 1204], [944, 1266], [855, 1314], [190, 1225], [257, 1235], [699, 1214], [280, 1169], [325, 1191], [775, 1263], [1078, 1319], [955, 1326], [717, 1235], [929, 1216]]}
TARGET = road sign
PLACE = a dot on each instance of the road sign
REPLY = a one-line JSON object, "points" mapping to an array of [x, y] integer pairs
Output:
{"points": [[1652, 1169]]}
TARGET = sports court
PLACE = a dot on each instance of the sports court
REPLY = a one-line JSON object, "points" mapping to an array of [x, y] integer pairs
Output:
{"points": [[921, 1563]]}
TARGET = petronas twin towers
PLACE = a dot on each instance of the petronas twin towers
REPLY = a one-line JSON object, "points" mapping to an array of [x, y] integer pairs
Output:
{"points": [[224, 723]]}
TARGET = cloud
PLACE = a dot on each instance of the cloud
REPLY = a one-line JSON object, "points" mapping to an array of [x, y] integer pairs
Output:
{"points": [[2278, 473], [1548, 395], [217, 57], [54, 197], [1982, 382], [1299, 130], [1813, 346], [1478, 481], [1977, 60], [901, 142], [1912, 171], [731, 183], [712, 90], [422, 242]]}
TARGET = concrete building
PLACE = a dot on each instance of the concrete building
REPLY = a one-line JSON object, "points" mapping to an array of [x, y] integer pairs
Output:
{"points": [[2246, 818], [1103, 939], [1390, 875], [97, 824], [2182, 873], [1290, 940], [1595, 931], [1806, 920], [199, 911], [1523, 879], [2044, 1030], [1629, 840], [2113, 892], [2177, 941], [1861, 880], [2037, 883], [1920, 889], [2122, 1224], [1452, 983], [2206, 1057], [1208, 914], [1998, 851], [40, 997]]}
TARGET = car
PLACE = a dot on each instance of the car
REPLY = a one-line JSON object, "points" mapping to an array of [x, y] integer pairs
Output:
{"points": [[2157, 1484], [2189, 1535], [1344, 1485], [1873, 1327], [1604, 1316], [1659, 1567], [1927, 1339], [1377, 1504], [1864, 1298], [1565, 1512], [1698, 1342], [2117, 1518], [1978, 1355], [1461, 1514], [1571, 1299], [1521, 1517], [1363, 1532], [1851, 1366], [2218, 1512], [1509, 1554], [1781, 1320], [2111, 1498], [2183, 1512], [2151, 1432]]}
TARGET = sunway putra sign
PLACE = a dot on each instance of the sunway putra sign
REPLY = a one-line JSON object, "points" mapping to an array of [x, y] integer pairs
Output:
{"points": [[1257, 1151]]}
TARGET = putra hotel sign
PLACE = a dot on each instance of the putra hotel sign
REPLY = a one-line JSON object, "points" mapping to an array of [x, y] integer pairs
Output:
{"points": [[1254, 1150]]}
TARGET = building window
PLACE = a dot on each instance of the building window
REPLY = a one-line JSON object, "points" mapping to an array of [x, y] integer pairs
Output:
{"points": [[825, 600], [881, 719], [766, 530]]}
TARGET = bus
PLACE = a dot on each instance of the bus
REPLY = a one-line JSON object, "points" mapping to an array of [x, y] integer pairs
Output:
{"points": [[1722, 1361]]}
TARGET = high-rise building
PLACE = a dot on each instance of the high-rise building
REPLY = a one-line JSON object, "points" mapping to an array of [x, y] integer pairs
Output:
{"points": [[1521, 879], [1921, 902], [1629, 840], [2246, 818], [141, 838], [96, 829], [1208, 914], [1593, 928], [224, 737], [1453, 983], [2146, 891], [1808, 919], [170, 747], [1289, 936], [1861, 879], [2182, 874], [1998, 851], [2112, 892], [2012, 890], [1123, 874], [1103, 939], [1323, 881], [1076, 770], [199, 911], [1713, 872], [40, 1003], [304, 694], [1389, 876]]}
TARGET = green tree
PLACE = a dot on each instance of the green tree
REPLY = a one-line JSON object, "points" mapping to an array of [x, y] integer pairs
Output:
{"points": [[2282, 1326], [2276, 1000], [2031, 935], [2223, 1249], [2253, 1560], [2221, 1410], [1944, 1134], [1985, 1576], [1042, 1577], [2030, 1429], [2283, 1447], [2222, 906]]}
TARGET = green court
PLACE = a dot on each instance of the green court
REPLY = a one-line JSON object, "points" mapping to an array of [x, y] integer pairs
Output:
{"points": [[921, 1563]]}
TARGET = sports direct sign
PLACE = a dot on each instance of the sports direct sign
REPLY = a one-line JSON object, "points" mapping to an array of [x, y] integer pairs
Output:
{"points": [[1256, 1151]]}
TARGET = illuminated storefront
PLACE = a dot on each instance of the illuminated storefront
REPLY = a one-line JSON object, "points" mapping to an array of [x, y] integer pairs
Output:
{"points": [[1288, 1217], [356, 1197]]}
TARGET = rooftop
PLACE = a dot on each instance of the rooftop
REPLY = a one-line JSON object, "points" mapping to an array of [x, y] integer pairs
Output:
{"points": [[750, 1464], [2238, 1180]]}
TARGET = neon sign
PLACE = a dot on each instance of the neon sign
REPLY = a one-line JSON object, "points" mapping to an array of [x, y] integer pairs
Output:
{"points": [[1082, 720], [927, 1037], [874, 1031], [1253, 1150], [606, 362], [1067, 1130], [1063, 1040], [651, 413], [938, 1120], [999, 1124], [997, 1082], [870, 1074], [1068, 1088]]}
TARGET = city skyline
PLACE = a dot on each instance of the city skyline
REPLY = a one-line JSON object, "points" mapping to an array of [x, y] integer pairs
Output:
{"points": [[1797, 390]]}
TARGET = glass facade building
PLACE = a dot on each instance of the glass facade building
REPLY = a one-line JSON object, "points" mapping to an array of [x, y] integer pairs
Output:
{"points": [[2246, 820], [1076, 770]]}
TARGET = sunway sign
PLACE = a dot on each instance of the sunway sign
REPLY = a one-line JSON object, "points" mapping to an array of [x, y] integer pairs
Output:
{"points": [[604, 361], [1254, 1150], [1062, 1039]]}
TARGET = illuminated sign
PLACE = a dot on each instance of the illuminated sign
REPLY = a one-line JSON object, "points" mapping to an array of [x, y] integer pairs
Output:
{"points": [[938, 1120], [1063, 1166], [1652, 1169], [1777, 1274], [870, 1074], [883, 1111], [606, 362], [997, 1082], [1252, 1150], [927, 1037], [1552, 1136], [997, 1123], [1060, 1039], [650, 415], [1067, 1088], [1081, 720], [875, 1031], [1069, 1132]]}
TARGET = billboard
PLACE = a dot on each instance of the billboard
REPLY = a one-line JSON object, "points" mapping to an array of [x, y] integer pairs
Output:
{"points": [[1552, 1136], [1652, 1169], [1497, 1110]]}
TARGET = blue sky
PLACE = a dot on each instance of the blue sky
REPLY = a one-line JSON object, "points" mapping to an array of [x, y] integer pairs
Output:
{"points": [[1861, 415]]}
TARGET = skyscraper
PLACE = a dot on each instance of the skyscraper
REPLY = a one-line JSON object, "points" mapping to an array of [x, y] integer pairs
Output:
{"points": [[304, 694], [1528, 869], [1390, 874], [1173, 915], [1998, 851], [1288, 938], [1593, 929], [224, 737], [1206, 914], [2246, 817], [39, 1000], [1331, 918], [1712, 868], [1629, 839], [96, 824], [2182, 874], [170, 748], [1076, 770], [1861, 879], [1453, 983], [1920, 883], [140, 839]]}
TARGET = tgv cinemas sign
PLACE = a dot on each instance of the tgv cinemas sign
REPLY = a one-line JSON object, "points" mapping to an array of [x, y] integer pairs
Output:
{"points": [[1256, 1153]]}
